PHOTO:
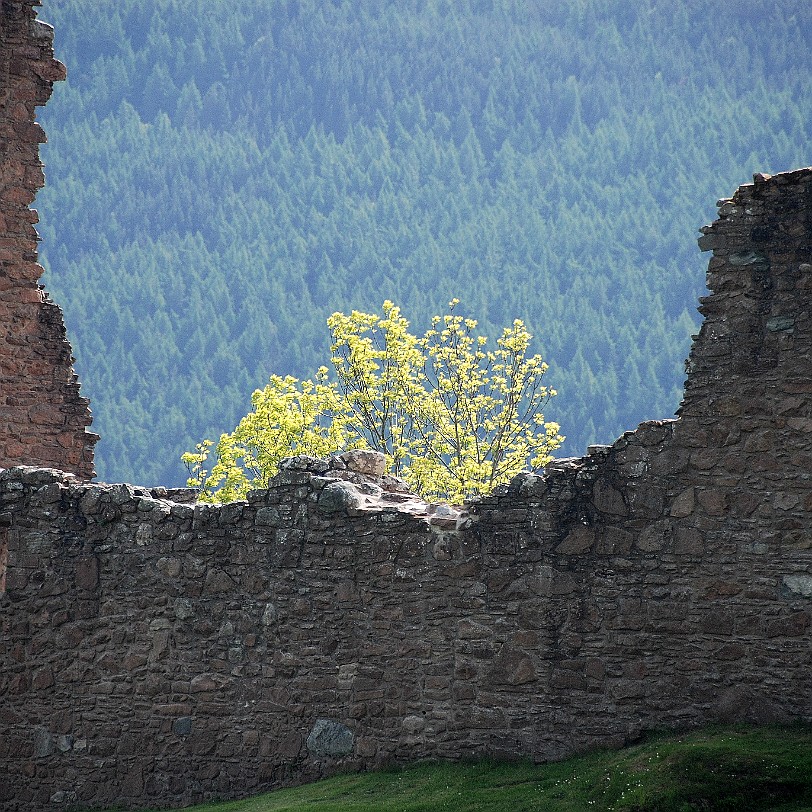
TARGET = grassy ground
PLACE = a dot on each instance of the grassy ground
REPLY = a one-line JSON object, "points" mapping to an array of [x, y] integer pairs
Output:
{"points": [[740, 769]]}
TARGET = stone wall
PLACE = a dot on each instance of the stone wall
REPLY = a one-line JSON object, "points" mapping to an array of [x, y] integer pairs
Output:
{"points": [[157, 651], [162, 652], [42, 415]]}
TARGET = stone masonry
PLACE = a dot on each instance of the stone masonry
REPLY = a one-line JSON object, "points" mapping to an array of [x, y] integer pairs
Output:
{"points": [[155, 651], [42, 415], [158, 651]]}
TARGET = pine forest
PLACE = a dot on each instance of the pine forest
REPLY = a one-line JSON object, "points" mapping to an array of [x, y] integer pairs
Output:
{"points": [[221, 177]]}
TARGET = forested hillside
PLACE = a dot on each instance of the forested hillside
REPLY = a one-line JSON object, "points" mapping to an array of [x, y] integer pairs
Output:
{"points": [[222, 176]]}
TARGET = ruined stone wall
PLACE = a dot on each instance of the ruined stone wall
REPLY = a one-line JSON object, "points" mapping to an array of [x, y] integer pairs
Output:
{"points": [[155, 651], [42, 415], [159, 652]]}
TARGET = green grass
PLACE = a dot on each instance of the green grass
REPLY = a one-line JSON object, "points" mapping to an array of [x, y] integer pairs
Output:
{"points": [[739, 768]]}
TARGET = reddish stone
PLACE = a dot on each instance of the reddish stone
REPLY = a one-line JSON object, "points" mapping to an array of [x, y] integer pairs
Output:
{"points": [[35, 353], [51, 70]]}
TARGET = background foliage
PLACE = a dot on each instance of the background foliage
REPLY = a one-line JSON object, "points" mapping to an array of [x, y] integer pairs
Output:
{"points": [[223, 176]]}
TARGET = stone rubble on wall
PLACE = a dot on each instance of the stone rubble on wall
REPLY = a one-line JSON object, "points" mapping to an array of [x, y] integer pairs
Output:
{"points": [[43, 418], [355, 482]]}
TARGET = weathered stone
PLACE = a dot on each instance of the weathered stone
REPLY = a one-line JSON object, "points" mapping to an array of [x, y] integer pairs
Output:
{"points": [[714, 502], [203, 682], [44, 744], [339, 496], [443, 549], [800, 585], [369, 463], [269, 615], [269, 516], [742, 258], [511, 667], [683, 504], [63, 796], [614, 541], [42, 679], [608, 499], [793, 625], [781, 324], [688, 541], [171, 567], [470, 630], [653, 537], [43, 415], [218, 581], [304, 462], [577, 542], [550, 581], [414, 724], [182, 726], [87, 573], [330, 739]]}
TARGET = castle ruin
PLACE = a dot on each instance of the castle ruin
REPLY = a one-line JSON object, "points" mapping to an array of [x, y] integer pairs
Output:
{"points": [[161, 652]]}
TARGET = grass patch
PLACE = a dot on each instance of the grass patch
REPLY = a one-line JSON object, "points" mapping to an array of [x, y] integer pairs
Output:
{"points": [[742, 768]]}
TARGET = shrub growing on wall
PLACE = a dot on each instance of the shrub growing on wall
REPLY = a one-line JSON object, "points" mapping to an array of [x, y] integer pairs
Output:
{"points": [[453, 417]]}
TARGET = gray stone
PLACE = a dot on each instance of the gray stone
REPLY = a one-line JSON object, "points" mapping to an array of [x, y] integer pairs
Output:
{"points": [[742, 258], [577, 542], [370, 489], [779, 324], [710, 242], [414, 724], [42, 31], [608, 499], [44, 744], [653, 537], [182, 511], [182, 726], [268, 517], [63, 796], [683, 504], [121, 494], [304, 462], [330, 739], [585, 600], [511, 667], [170, 567], [443, 549], [531, 484], [87, 573], [203, 683], [339, 496], [218, 581], [143, 536], [269, 615], [64, 743], [800, 585]]}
